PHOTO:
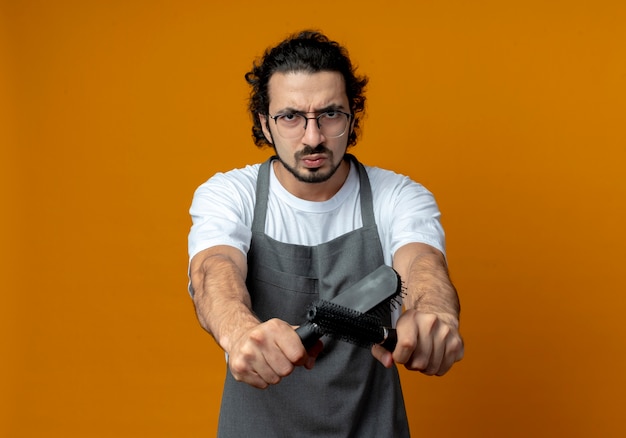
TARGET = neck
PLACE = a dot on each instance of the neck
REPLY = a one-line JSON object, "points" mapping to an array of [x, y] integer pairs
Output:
{"points": [[317, 192]]}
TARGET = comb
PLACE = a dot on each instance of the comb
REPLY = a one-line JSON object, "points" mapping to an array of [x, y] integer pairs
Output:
{"points": [[350, 326], [376, 295]]}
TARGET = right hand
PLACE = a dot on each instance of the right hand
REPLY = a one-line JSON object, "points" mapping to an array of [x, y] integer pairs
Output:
{"points": [[266, 353]]}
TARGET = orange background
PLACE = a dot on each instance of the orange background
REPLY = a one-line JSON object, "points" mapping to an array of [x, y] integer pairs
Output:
{"points": [[112, 113]]}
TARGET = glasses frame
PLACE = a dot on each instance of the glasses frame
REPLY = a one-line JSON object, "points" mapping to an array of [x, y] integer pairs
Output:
{"points": [[316, 118]]}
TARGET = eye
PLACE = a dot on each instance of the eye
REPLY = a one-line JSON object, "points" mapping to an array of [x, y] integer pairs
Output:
{"points": [[289, 118], [331, 114]]}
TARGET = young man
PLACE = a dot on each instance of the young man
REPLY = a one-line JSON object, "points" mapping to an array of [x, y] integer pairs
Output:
{"points": [[267, 240]]}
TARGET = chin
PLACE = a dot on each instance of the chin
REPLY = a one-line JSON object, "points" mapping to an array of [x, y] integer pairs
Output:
{"points": [[313, 175]]}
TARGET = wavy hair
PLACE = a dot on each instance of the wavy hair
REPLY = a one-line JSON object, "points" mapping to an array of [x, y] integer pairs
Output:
{"points": [[311, 52]]}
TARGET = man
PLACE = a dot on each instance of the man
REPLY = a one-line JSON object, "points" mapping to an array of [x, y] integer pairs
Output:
{"points": [[267, 240]]}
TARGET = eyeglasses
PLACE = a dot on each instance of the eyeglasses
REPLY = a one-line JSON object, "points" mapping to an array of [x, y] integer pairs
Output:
{"points": [[332, 124]]}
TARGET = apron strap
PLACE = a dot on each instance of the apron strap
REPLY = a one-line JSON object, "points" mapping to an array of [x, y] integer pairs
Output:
{"points": [[367, 203], [262, 195]]}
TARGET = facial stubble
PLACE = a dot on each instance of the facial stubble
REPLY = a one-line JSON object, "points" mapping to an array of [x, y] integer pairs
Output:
{"points": [[314, 175]]}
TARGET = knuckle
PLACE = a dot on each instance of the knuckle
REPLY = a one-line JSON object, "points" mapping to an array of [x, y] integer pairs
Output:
{"points": [[445, 329], [297, 356], [238, 367], [444, 368], [430, 319], [454, 344], [432, 368], [419, 363], [407, 344], [274, 323], [460, 351], [421, 366], [256, 336], [273, 380], [285, 371]]}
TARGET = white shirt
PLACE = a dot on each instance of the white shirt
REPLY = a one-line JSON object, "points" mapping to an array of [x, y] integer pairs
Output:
{"points": [[223, 208]]}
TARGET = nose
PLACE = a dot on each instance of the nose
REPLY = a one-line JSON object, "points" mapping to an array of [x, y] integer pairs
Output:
{"points": [[312, 134]]}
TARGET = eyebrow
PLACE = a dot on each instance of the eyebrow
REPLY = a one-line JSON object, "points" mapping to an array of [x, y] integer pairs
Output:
{"points": [[331, 107]]}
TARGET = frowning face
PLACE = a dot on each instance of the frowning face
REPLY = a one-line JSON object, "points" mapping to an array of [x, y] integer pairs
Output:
{"points": [[311, 149]]}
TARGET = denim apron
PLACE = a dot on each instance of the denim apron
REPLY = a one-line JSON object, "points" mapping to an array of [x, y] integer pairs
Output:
{"points": [[348, 393]]}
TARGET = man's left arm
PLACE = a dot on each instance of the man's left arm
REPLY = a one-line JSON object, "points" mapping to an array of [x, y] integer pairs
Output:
{"points": [[428, 331]]}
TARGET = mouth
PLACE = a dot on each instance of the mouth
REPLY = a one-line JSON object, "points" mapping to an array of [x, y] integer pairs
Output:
{"points": [[314, 161]]}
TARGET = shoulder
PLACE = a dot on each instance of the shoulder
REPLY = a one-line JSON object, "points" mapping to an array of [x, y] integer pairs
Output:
{"points": [[232, 184], [406, 212], [242, 177], [222, 210], [378, 174], [389, 185]]}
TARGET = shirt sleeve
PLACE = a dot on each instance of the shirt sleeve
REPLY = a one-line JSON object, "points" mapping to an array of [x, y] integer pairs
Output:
{"points": [[222, 210], [409, 212]]}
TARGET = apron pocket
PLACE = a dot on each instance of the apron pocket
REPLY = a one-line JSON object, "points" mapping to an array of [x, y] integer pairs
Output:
{"points": [[280, 295]]}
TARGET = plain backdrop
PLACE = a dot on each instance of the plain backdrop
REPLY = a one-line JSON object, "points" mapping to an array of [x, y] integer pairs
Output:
{"points": [[112, 113]]}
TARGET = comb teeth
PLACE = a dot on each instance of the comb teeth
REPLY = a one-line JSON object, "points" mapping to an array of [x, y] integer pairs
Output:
{"points": [[345, 324]]}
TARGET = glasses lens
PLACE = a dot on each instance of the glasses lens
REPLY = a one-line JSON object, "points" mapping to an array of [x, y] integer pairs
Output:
{"points": [[332, 124], [290, 125]]}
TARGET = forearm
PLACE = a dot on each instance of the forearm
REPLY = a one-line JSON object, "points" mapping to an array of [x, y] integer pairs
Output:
{"points": [[221, 298], [427, 283], [428, 331]]}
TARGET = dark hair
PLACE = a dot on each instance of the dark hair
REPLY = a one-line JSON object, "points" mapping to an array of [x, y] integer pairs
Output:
{"points": [[311, 52]]}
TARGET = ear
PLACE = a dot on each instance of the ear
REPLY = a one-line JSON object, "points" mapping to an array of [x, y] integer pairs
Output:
{"points": [[263, 119]]}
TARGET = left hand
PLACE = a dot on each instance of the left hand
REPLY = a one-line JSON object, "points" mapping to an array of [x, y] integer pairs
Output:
{"points": [[427, 342]]}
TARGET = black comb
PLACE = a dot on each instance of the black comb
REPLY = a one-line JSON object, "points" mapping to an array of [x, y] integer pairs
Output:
{"points": [[348, 325], [376, 294]]}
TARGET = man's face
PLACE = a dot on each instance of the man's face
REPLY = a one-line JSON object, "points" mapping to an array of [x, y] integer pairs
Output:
{"points": [[310, 157]]}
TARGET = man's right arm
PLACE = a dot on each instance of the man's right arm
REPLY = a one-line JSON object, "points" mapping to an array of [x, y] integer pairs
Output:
{"points": [[260, 354], [219, 292]]}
